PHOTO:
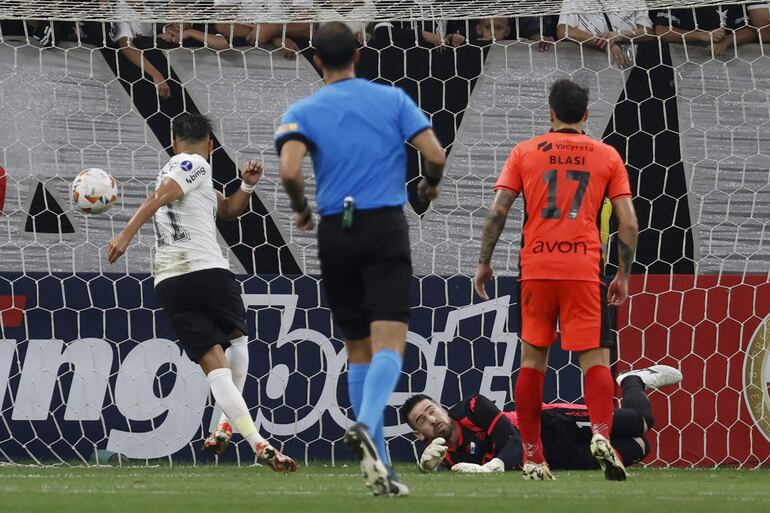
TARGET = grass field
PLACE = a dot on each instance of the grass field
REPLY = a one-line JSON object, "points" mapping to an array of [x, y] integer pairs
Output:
{"points": [[320, 488]]}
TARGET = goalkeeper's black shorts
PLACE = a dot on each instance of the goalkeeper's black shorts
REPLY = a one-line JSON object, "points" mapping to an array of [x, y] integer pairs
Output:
{"points": [[366, 269], [205, 307], [566, 435]]}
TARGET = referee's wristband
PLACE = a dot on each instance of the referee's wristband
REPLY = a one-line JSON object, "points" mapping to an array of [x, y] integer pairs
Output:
{"points": [[301, 208], [433, 182], [247, 188]]}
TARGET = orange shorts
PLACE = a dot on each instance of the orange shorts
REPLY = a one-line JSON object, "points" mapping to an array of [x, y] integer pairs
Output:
{"points": [[580, 307]]}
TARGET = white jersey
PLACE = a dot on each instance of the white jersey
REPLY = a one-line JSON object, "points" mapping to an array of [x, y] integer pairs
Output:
{"points": [[186, 230], [622, 15]]}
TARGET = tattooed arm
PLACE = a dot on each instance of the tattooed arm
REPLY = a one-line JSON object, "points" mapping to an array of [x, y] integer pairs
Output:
{"points": [[628, 232], [493, 227]]}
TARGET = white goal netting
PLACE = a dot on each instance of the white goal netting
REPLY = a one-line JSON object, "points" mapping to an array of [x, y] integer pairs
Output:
{"points": [[87, 360], [284, 11]]}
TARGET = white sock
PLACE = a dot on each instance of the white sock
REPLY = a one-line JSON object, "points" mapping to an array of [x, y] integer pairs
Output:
{"points": [[238, 360], [234, 407]]}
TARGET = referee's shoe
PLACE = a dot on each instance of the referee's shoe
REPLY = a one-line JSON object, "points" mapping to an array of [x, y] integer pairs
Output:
{"points": [[381, 480]]}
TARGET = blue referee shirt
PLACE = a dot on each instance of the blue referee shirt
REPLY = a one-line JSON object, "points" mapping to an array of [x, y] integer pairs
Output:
{"points": [[355, 132]]}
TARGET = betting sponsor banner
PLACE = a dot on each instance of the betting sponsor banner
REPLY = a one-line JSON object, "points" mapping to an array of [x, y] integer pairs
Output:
{"points": [[88, 362]]}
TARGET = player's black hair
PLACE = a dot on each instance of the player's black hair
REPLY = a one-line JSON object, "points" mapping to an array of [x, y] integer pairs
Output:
{"points": [[568, 100], [335, 45], [409, 405], [191, 127]]}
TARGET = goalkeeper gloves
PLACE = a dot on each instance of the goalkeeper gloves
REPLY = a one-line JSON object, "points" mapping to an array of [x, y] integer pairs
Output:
{"points": [[493, 465], [433, 455]]}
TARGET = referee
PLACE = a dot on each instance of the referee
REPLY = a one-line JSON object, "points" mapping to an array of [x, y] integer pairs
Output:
{"points": [[355, 132]]}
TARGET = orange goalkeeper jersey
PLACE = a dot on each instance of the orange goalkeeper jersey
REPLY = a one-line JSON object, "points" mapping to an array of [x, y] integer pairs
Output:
{"points": [[564, 177]]}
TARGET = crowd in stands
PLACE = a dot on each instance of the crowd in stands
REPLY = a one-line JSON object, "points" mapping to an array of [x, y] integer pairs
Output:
{"points": [[715, 28]]}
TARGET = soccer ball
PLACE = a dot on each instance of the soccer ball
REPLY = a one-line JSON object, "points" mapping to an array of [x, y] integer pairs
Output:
{"points": [[94, 191]]}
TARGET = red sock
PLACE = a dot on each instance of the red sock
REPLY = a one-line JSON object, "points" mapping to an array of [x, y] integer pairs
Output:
{"points": [[528, 395], [599, 391]]}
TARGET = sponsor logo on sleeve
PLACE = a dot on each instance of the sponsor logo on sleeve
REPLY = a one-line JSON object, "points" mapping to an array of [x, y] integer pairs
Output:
{"points": [[200, 172], [186, 165]]}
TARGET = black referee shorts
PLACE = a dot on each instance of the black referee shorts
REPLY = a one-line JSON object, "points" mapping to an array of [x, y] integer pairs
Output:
{"points": [[205, 307], [367, 269]]}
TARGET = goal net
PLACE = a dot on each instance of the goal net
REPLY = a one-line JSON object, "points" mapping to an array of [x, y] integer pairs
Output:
{"points": [[88, 364]]}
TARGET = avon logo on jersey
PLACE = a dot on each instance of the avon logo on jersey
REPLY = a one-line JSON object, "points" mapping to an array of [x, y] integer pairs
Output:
{"points": [[560, 246]]}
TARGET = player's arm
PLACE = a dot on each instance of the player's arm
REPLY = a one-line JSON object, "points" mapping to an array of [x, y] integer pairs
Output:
{"points": [[493, 228], [506, 440], [760, 21], [213, 41], [137, 58], [230, 207], [628, 233], [435, 160], [669, 34], [168, 192], [742, 36], [292, 153], [576, 35]]}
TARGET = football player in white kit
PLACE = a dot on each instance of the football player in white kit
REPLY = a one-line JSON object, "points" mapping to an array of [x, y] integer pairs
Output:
{"points": [[193, 280]]}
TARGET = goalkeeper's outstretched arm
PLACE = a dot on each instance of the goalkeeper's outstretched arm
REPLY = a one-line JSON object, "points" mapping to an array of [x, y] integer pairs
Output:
{"points": [[505, 437]]}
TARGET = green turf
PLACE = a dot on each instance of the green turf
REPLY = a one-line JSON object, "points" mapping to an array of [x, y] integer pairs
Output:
{"points": [[320, 488]]}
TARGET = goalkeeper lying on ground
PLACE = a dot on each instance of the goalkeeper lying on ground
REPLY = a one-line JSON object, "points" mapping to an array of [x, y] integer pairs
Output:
{"points": [[475, 436]]}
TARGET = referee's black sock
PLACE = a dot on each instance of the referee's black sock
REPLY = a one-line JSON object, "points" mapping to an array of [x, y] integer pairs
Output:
{"points": [[635, 398]]}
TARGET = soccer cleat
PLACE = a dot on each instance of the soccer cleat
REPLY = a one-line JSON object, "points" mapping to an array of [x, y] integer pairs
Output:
{"points": [[608, 459], [270, 456], [397, 488], [374, 472], [217, 442], [536, 472], [654, 377]]}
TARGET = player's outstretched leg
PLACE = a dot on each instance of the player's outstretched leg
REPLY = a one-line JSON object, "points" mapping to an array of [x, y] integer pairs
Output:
{"points": [[381, 379], [230, 400], [654, 377], [356, 378], [238, 360]]}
